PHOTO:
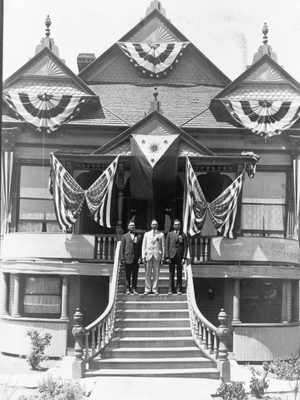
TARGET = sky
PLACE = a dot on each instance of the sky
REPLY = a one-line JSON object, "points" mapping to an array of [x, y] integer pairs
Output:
{"points": [[227, 32]]}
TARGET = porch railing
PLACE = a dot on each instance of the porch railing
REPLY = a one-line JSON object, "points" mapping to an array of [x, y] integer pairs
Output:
{"points": [[97, 335], [204, 332], [200, 249], [105, 247]]}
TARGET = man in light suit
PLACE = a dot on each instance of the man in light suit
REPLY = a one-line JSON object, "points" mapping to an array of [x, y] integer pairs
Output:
{"points": [[153, 253], [176, 250], [130, 255]]}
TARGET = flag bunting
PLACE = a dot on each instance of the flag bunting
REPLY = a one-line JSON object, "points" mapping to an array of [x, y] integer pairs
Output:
{"points": [[154, 59], [262, 117], [46, 112], [69, 197], [222, 210]]}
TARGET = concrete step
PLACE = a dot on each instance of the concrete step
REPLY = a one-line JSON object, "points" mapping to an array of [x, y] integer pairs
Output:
{"points": [[151, 297], [152, 313], [152, 352], [152, 322], [205, 373], [153, 332], [141, 288], [166, 342], [153, 363], [152, 305]]}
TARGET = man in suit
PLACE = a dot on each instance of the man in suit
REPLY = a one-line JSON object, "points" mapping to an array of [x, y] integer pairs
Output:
{"points": [[153, 253], [176, 250], [130, 255]]}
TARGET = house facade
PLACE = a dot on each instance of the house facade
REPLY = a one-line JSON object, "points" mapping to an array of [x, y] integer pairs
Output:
{"points": [[153, 81]]}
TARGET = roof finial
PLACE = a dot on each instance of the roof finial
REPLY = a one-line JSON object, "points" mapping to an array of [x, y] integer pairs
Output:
{"points": [[48, 24], [265, 48], [155, 105], [155, 5], [265, 31]]}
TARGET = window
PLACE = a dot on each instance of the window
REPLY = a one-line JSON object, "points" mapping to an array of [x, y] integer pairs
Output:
{"points": [[36, 207], [42, 296], [261, 301], [263, 204]]}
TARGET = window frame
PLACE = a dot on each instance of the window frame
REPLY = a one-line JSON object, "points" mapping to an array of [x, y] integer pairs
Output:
{"points": [[41, 315]]}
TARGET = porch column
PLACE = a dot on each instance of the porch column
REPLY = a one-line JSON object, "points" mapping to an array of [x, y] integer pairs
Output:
{"points": [[289, 300], [284, 316], [299, 301], [17, 294], [4, 293], [64, 298], [120, 181], [236, 302]]}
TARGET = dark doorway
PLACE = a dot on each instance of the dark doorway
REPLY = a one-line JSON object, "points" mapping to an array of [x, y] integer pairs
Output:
{"points": [[94, 297]]}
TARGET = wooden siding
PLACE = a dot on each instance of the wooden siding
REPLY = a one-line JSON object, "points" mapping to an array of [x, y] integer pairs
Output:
{"points": [[264, 343], [15, 341]]}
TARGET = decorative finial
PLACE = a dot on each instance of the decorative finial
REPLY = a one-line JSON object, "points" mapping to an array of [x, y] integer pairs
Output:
{"points": [[48, 24], [156, 5], [155, 94], [265, 31]]}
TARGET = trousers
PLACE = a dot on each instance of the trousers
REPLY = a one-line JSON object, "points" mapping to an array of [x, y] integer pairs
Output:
{"points": [[152, 265], [176, 263], [131, 275]]}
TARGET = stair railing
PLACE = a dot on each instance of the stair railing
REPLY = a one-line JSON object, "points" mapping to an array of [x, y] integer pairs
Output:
{"points": [[204, 332], [98, 334]]}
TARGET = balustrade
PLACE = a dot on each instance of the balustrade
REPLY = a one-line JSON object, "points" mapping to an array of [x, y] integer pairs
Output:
{"points": [[105, 247], [200, 249]]}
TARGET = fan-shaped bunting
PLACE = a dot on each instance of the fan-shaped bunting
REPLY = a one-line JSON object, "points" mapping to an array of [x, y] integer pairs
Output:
{"points": [[266, 118], [45, 112], [153, 59]]}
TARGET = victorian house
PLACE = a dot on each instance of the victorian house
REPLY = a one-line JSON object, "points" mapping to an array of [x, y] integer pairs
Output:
{"points": [[155, 86]]}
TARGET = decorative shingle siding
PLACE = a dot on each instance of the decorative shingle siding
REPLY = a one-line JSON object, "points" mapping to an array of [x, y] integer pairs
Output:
{"points": [[261, 92]]}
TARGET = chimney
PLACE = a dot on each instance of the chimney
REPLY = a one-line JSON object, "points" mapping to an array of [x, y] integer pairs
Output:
{"points": [[85, 59]]}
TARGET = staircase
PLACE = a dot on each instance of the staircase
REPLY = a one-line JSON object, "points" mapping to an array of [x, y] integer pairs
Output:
{"points": [[152, 337]]}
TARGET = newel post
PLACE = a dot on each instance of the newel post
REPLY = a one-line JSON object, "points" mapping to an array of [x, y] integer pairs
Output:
{"points": [[78, 366], [223, 334]]}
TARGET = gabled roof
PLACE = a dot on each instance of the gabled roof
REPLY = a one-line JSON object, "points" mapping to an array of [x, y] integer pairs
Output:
{"points": [[154, 124], [263, 79], [46, 72], [113, 66]]}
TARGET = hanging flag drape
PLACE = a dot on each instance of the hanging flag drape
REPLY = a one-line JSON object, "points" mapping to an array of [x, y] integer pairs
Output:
{"points": [[153, 59], [45, 112], [7, 159], [222, 210], [154, 161], [69, 196], [262, 117]]}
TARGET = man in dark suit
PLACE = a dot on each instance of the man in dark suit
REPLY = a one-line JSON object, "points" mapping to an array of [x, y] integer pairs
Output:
{"points": [[130, 255], [176, 250]]}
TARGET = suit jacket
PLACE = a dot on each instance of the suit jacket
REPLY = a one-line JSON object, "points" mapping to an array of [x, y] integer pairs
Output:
{"points": [[130, 249], [153, 246], [176, 245]]}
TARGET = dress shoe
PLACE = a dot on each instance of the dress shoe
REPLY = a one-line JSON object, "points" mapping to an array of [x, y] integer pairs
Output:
{"points": [[179, 291], [155, 292], [146, 292], [127, 291], [169, 293], [134, 291]]}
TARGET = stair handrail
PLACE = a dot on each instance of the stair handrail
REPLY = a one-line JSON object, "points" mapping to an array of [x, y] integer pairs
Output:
{"points": [[99, 333], [204, 332]]}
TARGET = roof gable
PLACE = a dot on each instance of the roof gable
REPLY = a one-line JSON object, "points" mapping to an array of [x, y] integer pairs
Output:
{"points": [[191, 68], [263, 80], [46, 72], [154, 124]]}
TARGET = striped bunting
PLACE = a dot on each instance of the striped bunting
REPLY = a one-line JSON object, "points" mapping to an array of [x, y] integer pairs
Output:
{"points": [[267, 118], [153, 59], [98, 196], [45, 112], [69, 196], [222, 210]]}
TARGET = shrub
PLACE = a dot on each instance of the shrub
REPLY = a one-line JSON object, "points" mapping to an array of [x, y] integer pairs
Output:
{"points": [[287, 369], [258, 385], [57, 389], [39, 343], [232, 391]]}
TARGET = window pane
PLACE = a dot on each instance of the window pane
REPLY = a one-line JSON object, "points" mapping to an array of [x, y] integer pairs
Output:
{"points": [[41, 304], [34, 182], [260, 301], [37, 209], [45, 285], [265, 185], [263, 217]]}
